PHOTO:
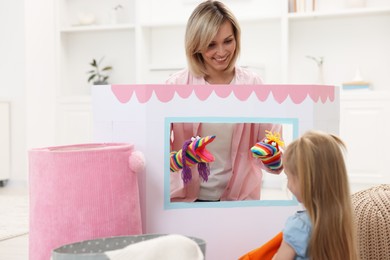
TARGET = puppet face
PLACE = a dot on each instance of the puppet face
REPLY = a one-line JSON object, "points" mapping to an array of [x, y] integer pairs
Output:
{"points": [[273, 139], [272, 142]]}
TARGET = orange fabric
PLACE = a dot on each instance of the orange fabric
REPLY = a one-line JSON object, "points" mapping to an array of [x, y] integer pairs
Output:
{"points": [[266, 251]]}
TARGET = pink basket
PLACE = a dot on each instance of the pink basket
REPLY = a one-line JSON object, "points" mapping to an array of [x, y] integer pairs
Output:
{"points": [[81, 192]]}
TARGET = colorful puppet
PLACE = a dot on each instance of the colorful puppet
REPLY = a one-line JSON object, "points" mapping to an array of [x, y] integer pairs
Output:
{"points": [[193, 152], [269, 150]]}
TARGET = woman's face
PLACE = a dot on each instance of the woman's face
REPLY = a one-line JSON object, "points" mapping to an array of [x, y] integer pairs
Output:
{"points": [[293, 184], [221, 49]]}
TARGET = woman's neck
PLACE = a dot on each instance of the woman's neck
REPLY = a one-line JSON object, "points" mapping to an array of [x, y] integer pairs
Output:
{"points": [[220, 77]]}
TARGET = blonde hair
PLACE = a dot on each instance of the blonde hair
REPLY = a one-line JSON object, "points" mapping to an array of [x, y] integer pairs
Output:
{"points": [[317, 160], [202, 26]]}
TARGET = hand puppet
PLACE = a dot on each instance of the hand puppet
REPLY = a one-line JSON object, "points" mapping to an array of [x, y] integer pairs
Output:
{"points": [[193, 152], [269, 150]]}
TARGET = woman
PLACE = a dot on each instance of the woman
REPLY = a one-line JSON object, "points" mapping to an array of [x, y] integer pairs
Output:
{"points": [[212, 44]]}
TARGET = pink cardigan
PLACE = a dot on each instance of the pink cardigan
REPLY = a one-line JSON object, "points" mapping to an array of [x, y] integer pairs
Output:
{"points": [[245, 183], [242, 76]]}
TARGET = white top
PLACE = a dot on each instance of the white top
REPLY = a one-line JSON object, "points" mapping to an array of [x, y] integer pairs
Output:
{"points": [[221, 168]]}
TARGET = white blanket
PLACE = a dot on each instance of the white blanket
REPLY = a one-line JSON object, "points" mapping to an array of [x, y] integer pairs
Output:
{"points": [[172, 247]]}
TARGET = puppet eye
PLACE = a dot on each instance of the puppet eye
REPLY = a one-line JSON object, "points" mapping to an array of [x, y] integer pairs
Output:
{"points": [[273, 143], [266, 141], [195, 138]]}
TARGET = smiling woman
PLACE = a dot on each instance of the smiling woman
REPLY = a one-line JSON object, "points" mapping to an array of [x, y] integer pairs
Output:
{"points": [[213, 44]]}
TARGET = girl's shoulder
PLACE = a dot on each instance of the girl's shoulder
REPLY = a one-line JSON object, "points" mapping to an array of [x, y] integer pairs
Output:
{"points": [[297, 232], [246, 76], [300, 220]]}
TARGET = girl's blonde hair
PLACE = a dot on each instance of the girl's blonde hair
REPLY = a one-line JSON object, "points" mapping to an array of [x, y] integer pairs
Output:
{"points": [[202, 26], [317, 160]]}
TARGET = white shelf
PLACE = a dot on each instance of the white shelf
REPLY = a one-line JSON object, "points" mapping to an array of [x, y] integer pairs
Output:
{"points": [[95, 28], [163, 24], [81, 99], [265, 18], [339, 13], [259, 19], [166, 67]]}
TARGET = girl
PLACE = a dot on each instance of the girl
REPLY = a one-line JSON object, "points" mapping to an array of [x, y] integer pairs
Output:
{"points": [[317, 176]]}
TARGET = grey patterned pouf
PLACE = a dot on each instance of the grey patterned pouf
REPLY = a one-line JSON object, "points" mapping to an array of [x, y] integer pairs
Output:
{"points": [[95, 249]]}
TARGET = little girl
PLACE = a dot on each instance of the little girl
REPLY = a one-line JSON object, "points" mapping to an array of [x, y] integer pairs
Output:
{"points": [[317, 176]]}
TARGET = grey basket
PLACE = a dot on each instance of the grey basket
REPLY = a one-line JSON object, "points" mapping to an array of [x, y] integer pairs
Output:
{"points": [[95, 249]]}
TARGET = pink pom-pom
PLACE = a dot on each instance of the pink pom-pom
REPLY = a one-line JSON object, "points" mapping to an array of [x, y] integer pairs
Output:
{"points": [[137, 162]]}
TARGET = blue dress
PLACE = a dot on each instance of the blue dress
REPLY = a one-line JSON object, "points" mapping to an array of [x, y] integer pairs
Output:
{"points": [[297, 233]]}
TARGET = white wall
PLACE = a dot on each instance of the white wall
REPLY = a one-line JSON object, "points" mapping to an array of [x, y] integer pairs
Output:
{"points": [[40, 73], [12, 87], [28, 72]]}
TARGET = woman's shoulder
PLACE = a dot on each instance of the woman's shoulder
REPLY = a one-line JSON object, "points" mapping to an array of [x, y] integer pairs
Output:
{"points": [[179, 77], [246, 76], [184, 77]]}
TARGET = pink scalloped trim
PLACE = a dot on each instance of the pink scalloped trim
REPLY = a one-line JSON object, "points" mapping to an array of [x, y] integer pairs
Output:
{"points": [[165, 93]]}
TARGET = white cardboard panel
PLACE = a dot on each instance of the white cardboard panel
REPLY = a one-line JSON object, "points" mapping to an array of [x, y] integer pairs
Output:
{"points": [[230, 228]]}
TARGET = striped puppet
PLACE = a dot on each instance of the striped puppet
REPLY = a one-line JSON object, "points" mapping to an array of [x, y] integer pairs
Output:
{"points": [[268, 150], [193, 152]]}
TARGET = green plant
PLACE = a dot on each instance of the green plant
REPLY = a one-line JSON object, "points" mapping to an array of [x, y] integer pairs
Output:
{"points": [[98, 75]]}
